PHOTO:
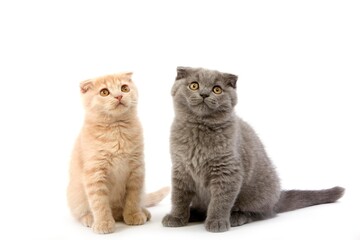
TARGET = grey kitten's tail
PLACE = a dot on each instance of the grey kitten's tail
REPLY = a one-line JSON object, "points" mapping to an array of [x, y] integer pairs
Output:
{"points": [[295, 199], [154, 198]]}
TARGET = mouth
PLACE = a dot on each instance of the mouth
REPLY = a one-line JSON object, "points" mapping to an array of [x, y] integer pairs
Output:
{"points": [[202, 103], [196, 101], [200, 106], [119, 105]]}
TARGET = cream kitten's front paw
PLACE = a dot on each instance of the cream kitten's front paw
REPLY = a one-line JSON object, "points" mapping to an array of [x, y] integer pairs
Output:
{"points": [[105, 226], [137, 218]]}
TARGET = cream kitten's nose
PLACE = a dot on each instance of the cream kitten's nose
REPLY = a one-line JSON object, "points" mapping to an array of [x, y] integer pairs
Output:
{"points": [[119, 97]]}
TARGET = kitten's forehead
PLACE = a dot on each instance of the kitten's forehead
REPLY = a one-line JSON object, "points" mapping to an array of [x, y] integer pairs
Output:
{"points": [[113, 80], [207, 76]]}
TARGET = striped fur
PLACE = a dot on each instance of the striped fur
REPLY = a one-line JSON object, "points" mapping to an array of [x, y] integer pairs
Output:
{"points": [[107, 165]]}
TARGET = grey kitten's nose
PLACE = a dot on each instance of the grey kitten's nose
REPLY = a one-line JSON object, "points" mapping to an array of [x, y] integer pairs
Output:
{"points": [[204, 95], [119, 97]]}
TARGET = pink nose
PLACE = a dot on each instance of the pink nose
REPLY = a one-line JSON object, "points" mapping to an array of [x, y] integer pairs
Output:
{"points": [[119, 97]]}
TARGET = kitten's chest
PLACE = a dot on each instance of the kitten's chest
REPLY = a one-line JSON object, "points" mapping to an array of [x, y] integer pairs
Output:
{"points": [[120, 142], [115, 142], [200, 147]]}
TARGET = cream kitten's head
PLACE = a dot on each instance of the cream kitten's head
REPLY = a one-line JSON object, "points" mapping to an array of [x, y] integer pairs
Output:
{"points": [[109, 98]]}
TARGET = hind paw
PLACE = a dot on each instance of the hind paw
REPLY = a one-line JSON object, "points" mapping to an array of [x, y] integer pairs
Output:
{"points": [[237, 219], [87, 220], [147, 213], [137, 218], [171, 221]]}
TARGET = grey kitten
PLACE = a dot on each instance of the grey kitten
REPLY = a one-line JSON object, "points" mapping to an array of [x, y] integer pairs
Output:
{"points": [[220, 170]]}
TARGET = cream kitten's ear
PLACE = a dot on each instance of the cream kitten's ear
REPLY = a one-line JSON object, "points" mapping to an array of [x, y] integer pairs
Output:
{"points": [[126, 75], [129, 74], [85, 86]]}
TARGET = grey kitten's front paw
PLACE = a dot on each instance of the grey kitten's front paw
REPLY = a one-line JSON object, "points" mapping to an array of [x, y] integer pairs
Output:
{"points": [[171, 221], [217, 225]]}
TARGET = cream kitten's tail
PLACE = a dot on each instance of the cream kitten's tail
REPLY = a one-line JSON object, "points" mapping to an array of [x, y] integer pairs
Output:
{"points": [[154, 198]]}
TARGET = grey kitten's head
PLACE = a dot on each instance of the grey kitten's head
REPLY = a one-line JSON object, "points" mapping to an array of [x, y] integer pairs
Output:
{"points": [[204, 93]]}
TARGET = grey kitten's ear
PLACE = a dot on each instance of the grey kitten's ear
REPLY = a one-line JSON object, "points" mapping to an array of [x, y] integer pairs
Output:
{"points": [[231, 79], [85, 86], [182, 72]]}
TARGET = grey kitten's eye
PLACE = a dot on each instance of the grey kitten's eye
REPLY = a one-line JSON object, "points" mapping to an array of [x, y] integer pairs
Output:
{"points": [[104, 92], [125, 88], [194, 86], [217, 90]]}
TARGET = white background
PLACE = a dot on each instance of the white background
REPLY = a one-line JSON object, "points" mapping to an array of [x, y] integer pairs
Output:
{"points": [[298, 66]]}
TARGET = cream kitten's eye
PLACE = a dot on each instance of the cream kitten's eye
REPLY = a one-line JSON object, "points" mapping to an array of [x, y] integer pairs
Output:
{"points": [[194, 86], [125, 88], [104, 92], [217, 90]]}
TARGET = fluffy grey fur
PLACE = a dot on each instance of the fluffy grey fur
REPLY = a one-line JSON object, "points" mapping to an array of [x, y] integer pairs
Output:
{"points": [[220, 170]]}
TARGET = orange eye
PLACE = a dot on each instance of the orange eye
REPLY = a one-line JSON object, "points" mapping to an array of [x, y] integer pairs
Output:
{"points": [[217, 90], [104, 92], [125, 88], [194, 86]]}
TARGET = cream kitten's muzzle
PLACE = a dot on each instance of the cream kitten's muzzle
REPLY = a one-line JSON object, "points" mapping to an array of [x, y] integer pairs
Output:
{"points": [[119, 97], [118, 101]]}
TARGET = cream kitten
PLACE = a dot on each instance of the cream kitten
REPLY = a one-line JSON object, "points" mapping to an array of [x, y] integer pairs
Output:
{"points": [[107, 166]]}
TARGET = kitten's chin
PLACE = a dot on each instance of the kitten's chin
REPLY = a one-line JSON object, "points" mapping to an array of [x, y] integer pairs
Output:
{"points": [[201, 110], [111, 115], [119, 107], [120, 111], [204, 113]]}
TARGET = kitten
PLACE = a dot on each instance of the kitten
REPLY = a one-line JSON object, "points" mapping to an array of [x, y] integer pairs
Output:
{"points": [[220, 170], [107, 166]]}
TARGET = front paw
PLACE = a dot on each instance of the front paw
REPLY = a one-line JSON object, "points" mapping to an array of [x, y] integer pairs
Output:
{"points": [[217, 225], [105, 226], [171, 221], [137, 218]]}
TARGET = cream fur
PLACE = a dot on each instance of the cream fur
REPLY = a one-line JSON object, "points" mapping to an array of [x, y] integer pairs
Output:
{"points": [[107, 165]]}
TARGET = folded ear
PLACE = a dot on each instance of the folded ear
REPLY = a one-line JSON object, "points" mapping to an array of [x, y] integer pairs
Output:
{"points": [[231, 79], [85, 85], [182, 72], [129, 74]]}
